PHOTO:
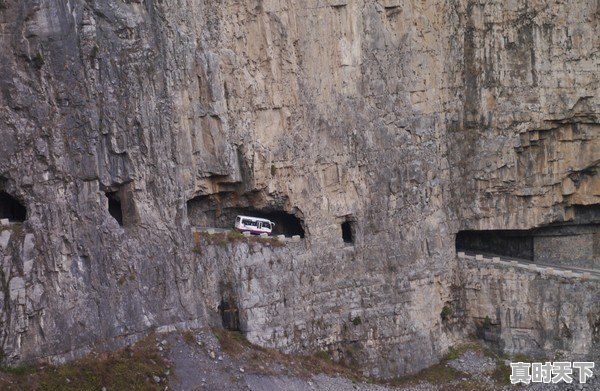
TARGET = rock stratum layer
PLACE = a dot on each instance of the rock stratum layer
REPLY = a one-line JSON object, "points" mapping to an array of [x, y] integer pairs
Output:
{"points": [[125, 123]]}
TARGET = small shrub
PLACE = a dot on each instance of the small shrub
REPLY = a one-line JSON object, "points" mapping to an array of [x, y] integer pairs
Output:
{"points": [[521, 357], [18, 371], [38, 60], [273, 170], [487, 323], [453, 353], [501, 374], [446, 312], [323, 355], [235, 234], [356, 320], [276, 243], [440, 374], [189, 337]]}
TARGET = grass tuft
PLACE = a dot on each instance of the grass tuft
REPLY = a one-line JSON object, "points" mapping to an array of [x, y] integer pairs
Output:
{"points": [[260, 360], [446, 312], [223, 239], [131, 368], [189, 337], [38, 60]]}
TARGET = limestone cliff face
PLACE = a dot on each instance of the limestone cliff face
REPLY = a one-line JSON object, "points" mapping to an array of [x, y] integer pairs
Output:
{"points": [[410, 120], [525, 144]]}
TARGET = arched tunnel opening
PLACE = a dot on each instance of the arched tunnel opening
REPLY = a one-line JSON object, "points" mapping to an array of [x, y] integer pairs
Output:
{"points": [[220, 211], [285, 223], [11, 208], [508, 243]]}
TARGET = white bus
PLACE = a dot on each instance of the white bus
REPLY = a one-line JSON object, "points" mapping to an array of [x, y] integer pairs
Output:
{"points": [[254, 225]]}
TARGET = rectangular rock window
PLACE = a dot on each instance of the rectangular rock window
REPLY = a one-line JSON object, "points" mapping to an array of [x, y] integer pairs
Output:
{"points": [[121, 204], [348, 232], [114, 206]]}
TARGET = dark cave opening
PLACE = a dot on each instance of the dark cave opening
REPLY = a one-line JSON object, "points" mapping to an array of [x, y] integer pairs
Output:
{"points": [[574, 243], [11, 208], [114, 206], [509, 243], [220, 211], [347, 232], [285, 223], [230, 316]]}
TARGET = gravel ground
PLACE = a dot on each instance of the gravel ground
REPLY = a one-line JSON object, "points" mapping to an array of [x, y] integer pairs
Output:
{"points": [[473, 363], [200, 364]]}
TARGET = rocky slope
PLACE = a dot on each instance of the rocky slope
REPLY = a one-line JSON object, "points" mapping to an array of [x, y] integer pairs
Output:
{"points": [[124, 123]]}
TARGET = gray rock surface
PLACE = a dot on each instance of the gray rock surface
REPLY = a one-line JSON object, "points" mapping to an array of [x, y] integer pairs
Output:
{"points": [[411, 119]]}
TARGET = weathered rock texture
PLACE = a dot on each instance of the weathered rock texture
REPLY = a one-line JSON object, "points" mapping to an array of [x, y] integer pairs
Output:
{"points": [[531, 312], [410, 119]]}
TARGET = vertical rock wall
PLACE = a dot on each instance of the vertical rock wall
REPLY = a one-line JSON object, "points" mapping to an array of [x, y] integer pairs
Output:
{"points": [[411, 119], [540, 314]]}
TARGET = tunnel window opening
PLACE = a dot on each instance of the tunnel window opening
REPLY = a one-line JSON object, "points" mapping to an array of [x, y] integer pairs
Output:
{"points": [[508, 243], [571, 243], [11, 208], [221, 211], [283, 223], [347, 232], [114, 206]]}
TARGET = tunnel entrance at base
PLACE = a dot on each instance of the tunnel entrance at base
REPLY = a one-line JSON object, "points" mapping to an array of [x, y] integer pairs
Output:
{"points": [[508, 243], [230, 315], [11, 208], [220, 211]]}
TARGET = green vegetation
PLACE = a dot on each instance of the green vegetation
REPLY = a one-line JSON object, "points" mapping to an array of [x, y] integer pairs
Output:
{"points": [[356, 320], [19, 370], [38, 60], [189, 337], [501, 374], [439, 374], [323, 355], [259, 360], [235, 234], [222, 239], [521, 357], [131, 368], [446, 312], [453, 353], [487, 322]]}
